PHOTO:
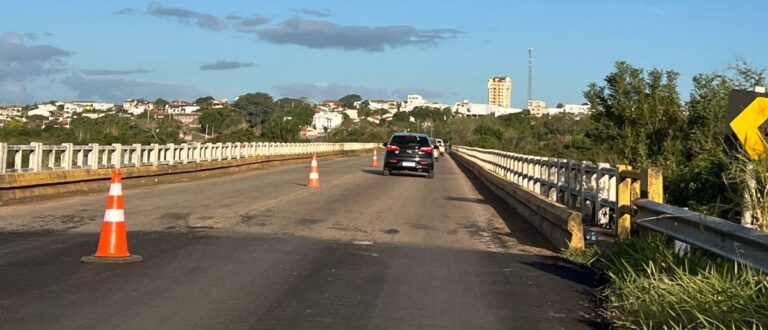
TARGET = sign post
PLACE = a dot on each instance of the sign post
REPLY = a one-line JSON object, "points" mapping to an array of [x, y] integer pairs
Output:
{"points": [[747, 131]]}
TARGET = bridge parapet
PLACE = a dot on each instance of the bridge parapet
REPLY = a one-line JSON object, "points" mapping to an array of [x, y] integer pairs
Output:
{"points": [[603, 193], [634, 198], [38, 157]]}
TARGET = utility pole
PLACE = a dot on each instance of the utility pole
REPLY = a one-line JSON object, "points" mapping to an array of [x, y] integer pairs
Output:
{"points": [[530, 74]]}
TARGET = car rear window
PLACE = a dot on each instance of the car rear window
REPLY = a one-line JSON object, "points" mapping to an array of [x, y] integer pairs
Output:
{"points": [[410, 140]]}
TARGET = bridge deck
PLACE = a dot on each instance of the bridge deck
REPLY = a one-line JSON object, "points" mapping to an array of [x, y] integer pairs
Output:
{"points": [[260, 250]]}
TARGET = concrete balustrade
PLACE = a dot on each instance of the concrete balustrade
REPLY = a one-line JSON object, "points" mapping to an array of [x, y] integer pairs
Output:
{"points": [[37, 157], [582, 186]]}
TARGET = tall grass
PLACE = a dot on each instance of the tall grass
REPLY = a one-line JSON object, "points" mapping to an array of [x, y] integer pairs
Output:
{"points": [[653, 287]]}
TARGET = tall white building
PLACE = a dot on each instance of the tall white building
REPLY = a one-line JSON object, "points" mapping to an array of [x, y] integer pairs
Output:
{"points": [[414, 100], [500, 91]]}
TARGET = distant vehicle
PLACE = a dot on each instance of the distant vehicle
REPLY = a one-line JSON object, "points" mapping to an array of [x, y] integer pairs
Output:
{"points": [[409, 152], [435, 150], [440, 146]]}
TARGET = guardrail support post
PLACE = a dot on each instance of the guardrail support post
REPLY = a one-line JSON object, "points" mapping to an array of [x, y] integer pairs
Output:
{"points": [[653, 184], [627, 192]]}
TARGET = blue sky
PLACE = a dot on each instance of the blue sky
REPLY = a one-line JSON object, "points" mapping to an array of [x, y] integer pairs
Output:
{"points": [[446, 50]]}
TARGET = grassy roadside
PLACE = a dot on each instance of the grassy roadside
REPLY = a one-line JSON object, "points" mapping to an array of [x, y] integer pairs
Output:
{"points": [[652, 287]]}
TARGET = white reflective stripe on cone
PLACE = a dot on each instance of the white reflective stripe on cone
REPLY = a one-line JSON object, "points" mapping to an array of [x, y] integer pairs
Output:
{"points": [[314, 175], [116, 189], [113, 215], [314, 163]]}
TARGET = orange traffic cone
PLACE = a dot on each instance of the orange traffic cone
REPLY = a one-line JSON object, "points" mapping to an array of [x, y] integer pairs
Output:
{"points": [[113, 241], [375, 159], [314, 174]]}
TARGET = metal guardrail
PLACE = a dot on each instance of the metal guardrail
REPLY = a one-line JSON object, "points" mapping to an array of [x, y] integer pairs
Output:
{"points": [[37, 157], [718, 236]]}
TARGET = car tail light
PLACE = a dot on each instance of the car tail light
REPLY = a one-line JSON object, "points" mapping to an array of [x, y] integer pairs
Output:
{"points": [[426, 150], [423, 162], [393, 148], [393, 161]]}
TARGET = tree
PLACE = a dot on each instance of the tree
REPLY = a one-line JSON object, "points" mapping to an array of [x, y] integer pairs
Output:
{"points": [[160, 103], [36, 120], [204, 102], [221, 120], [560, 105], [297, 109], [744, 75], [211, 119], [14, 124], [281, 130], [257, 107], [638, 117], [348, 101]]}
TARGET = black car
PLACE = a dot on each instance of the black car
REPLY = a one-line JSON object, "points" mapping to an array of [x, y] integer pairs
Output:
{"points": [[409, 152]]}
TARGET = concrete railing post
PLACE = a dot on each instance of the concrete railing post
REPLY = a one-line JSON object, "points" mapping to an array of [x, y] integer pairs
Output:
{"points": [[137, 155], [155, 155], [117, 155], [3, 157], [36, 157], [602, 191], [80, 161], [93, 156], [184, 153], [209, 151], [196, 152], [171, 153]]}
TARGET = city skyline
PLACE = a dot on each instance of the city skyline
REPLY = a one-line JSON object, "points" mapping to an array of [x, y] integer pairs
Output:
{"points": [[183, 49]]}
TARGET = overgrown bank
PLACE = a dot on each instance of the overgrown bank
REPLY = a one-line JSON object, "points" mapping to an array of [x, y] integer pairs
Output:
{"points": [[652, 286]]}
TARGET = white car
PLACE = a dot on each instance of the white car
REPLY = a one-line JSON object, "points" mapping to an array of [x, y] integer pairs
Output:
{"points": [[435, 149], [440, 146]]}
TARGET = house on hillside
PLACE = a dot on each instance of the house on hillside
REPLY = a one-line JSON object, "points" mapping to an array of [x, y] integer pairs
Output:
{"points": [[474, 110], [44, 110], [179, 107], [327, 120], [80, 106], [188, 119], [308, 132], [136, 107], [331, 105], [389, 105], [10, 112]]}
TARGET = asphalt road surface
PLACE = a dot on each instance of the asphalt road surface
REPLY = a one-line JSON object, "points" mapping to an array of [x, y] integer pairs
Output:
{"points": [[259, 250]]}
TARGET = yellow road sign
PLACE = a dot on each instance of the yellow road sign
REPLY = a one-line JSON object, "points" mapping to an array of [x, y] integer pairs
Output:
{"points": [[747, 124]]}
